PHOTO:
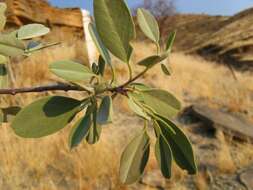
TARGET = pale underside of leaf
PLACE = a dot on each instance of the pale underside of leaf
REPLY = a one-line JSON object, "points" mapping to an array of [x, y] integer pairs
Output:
{"points": [[10, 45], [31, 31], [133, 105], [160, 101], [99, 44], [134, 158], [71, 71], [148, 24]]}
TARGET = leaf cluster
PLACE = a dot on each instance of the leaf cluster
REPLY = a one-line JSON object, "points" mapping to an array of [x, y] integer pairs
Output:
{"points": [[113, 31], [17, 43]]}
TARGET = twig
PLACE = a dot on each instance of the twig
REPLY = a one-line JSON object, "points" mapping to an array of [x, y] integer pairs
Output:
{"points": [[51, 87], [68, 87], [131, 80]]}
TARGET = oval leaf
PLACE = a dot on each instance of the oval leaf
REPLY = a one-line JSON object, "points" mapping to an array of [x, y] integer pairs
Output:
{"points": [[105, 111], [96, 129], [101, 66], [115, 26], [162, 102], [32, 31], [45, 116], [165, 70], [180, 146], [94, 133], [163, 155], [140, 86], [79, 131], [134, 158], [10, 45], [9, 113], [148, 25], [152, 60], [71, 71], [137, 109], [170, 41], [99, 44]]}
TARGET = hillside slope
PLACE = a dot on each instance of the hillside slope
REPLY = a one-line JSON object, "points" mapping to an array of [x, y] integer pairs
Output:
{"points": [[229, 39]]}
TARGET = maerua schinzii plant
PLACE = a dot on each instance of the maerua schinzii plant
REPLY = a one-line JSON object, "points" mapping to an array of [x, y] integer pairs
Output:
{"points": [[112, 32]]}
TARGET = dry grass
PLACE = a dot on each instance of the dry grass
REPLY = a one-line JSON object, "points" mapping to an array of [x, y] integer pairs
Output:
{"points": [[48, 163], [224, 160], [201, 181]]}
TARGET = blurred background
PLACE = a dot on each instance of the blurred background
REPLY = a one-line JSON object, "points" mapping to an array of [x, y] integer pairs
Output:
{"points": [[211, 63]]}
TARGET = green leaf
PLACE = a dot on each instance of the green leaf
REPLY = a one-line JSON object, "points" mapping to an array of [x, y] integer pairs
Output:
{"points": [[10, 45], [101, 65], [163, 155], [152, 60], [180, 146], [137, 109], [170, 41], [105, 111], [165, 70], [148, 25], [115, 26], [3, 76], [134, 158], [8, 113], [96, 129], [71, 71], [99, 44], [79, 131], [95, 68], [140, 86], [81, 128], [160, 101], [3, 8], [104, 57], [45, 116], [32, 31]]}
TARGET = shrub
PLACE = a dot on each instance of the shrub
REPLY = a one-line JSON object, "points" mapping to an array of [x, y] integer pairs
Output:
{"points": [[112, 33]]}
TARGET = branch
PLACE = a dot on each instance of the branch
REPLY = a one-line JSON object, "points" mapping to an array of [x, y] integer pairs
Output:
{"points": [[129, 81], [66, 87], [51, 87]]}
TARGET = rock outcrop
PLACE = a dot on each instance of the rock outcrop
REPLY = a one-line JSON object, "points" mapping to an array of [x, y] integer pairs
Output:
{"points": [[40, 11]]}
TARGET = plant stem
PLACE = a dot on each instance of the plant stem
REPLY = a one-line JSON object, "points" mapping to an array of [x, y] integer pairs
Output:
{"points": [[67, 87], [158, 49], [53, 87], [130, 70], [134, 78]]}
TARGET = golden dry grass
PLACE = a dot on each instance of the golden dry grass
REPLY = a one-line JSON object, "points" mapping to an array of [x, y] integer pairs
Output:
{"points": [[48, 163]]}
